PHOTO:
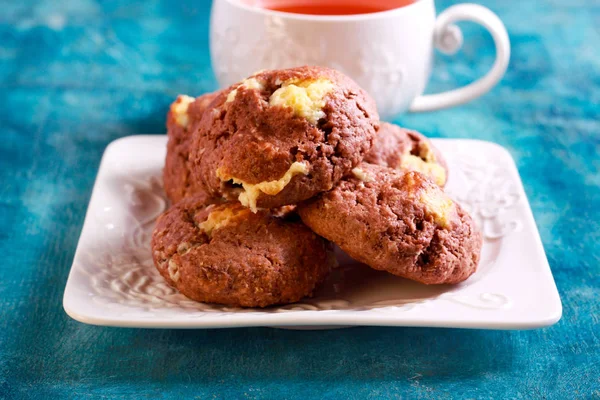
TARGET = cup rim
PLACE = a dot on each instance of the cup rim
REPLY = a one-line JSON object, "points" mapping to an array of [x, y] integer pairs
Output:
{"points": [[325, 18]]}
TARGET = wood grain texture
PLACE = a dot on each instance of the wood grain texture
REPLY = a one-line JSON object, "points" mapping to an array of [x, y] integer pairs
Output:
{"points": [[77, 74]]}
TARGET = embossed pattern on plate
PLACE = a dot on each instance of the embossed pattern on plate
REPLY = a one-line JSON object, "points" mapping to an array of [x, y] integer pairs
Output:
{"points": [[113, 281]]}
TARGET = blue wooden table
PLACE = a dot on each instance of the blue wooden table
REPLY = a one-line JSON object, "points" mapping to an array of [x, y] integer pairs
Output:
{"points": [[77, 74]]}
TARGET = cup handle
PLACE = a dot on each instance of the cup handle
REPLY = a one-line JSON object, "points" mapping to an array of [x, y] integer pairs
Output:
{"points": [[448, 39]]}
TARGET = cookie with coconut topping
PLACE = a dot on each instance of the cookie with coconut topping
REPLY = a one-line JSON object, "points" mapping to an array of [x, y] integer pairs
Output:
{"points": [[283, 136], [403, 149], [220, 252], [184, 115], [399, 222]]}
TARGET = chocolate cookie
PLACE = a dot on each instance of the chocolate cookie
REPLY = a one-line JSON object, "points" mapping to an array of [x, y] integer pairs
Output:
{"points": [[280, 137], [218, 252], [399, 222], [184, 115], [400, 148]]}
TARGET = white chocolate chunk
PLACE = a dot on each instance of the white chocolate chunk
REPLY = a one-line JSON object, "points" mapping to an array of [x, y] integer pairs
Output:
{"points": [[425, 162], [180, 109], [251, 83], [430, 169], [173, 270], [305, 98], [183, 247], [362, 175], [253, 190], [438, 205], [220, 218]]}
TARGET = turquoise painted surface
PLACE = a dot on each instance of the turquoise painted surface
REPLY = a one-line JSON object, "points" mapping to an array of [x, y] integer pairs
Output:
{"points": [[77, 74]]}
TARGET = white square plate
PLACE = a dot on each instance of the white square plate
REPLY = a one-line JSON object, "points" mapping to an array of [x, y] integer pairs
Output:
{"points": [[113, 281]]}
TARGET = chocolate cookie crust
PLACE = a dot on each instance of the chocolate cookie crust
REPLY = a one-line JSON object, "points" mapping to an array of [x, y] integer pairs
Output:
{"points": [[280, 137], [184, 115], [218, 252], [403, 149], [399, 222]]}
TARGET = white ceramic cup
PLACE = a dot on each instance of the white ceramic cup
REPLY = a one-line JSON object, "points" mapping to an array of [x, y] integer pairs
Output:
{"points": [[388, 53]]}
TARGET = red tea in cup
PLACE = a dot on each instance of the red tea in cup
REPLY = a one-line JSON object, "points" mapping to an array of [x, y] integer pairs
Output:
{"points": [[334, 7]]}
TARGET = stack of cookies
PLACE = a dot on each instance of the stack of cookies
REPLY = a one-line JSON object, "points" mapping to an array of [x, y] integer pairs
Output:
{"points": [[265, 175]]}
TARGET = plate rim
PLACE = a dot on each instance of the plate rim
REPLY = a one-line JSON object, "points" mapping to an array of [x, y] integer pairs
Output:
{"points": [[550, 315]]}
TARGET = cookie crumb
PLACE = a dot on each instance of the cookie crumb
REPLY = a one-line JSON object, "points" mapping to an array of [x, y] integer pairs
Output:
{"points": [[180, 110], [305, 98]]}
